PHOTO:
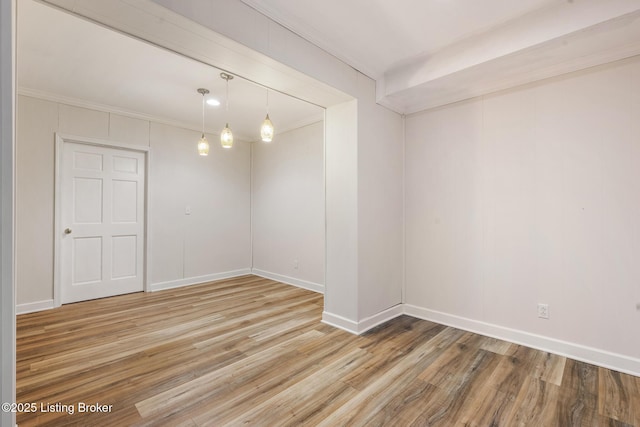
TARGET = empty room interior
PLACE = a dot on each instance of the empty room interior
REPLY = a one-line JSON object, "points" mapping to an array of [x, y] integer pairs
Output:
{"points": [[268, 212]]}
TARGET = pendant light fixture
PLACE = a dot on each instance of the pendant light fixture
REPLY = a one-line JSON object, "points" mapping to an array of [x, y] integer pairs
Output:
{"points": [[226, 137], [266, 130], [203, 144]]}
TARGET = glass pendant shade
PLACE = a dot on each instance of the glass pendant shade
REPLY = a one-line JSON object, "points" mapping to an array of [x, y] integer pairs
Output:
{"points": [[266, 130], [226, 137], [203, 146]]}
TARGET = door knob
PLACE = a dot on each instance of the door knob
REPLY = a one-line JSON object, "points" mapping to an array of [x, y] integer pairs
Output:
{"points": [[67, 231]]}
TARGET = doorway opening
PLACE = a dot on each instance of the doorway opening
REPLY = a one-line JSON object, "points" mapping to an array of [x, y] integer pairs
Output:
{"points": [[230, 213]]}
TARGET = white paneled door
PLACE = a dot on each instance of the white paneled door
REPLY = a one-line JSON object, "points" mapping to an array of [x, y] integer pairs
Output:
{"points": [[102, 193]]}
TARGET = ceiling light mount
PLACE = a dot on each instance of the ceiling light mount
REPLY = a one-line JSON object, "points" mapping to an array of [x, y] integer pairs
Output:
{"points": [[202, 91], [226, 76]]}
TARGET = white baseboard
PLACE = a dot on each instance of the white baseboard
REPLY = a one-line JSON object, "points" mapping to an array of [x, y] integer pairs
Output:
{"points": [[311, 286], [171, 284], [363, 325], [340, 322], [579, 352], [377, 319], [31, 307]]}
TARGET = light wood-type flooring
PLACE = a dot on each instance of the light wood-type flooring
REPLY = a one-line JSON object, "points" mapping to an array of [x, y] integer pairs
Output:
{"points": [[252, 351]]}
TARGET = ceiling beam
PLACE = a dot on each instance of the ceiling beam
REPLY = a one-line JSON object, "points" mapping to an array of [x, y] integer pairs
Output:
{"points": [[552, 41]]}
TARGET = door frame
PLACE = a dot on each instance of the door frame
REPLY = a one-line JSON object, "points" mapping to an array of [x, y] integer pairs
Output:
{"points": [[60, 140]]}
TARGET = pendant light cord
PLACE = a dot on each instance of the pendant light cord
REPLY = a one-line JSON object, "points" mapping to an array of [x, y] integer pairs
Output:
{"points": [[227, 99], [203, 115]]}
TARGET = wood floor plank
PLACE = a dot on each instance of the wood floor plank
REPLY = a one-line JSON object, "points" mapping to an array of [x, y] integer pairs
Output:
{"points": [[577, 408], [408, 404], [198, 388], [535, 404], [512, 370], [498, 346], [368, 402], [618, 396], [551, 369], [580, 376], [253, 351], [465, 393], [451, 362], [297, 404], [241, 397]]}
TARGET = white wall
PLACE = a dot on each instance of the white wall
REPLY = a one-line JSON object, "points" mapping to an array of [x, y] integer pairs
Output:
{"points": [[215, 238], [532, 196], [288, 207], [341, 177], [380, 205], [36, 123], [7, 290], [212, 241], [364, 171]]}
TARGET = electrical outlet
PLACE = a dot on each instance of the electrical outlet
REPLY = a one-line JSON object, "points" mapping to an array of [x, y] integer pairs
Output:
{"points": [[295, 264], [543, 311], [638, 306]]}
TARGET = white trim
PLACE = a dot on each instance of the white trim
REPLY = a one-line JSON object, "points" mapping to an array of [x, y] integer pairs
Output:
{"points": [[65, 137], [311, 286], [251, 175], [110, 109], [324, 206], [340, 322], [275, 15], [358, 328], [188, 281], [146, 280], [60, 140], [379, 318], [31, 307], [57, 225], [105, 108], [603, 358], [403, 286]]}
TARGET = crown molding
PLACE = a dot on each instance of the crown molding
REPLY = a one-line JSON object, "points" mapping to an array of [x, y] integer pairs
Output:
{"points": [[75, 102]]}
